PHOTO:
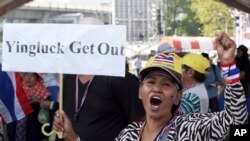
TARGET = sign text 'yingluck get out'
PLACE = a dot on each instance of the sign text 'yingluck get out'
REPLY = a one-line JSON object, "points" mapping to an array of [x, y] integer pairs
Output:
{"points": [[64, 48]]}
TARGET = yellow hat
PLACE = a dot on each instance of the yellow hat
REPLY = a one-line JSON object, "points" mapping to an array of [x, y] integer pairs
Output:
{"points": [[170, 64], [196, 62]]}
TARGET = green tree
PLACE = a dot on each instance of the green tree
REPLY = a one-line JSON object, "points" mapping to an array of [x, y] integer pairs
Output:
{"points": [[189, 25], [214, 16], [179, 19], [197, 17]]}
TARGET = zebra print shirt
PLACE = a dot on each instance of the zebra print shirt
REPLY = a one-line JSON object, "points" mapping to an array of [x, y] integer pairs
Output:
{"points": [[202, 127]]}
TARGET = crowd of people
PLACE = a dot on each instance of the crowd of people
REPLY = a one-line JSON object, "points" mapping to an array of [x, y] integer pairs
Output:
{"points": [[29, 128], [175, 97], [161, 91]]}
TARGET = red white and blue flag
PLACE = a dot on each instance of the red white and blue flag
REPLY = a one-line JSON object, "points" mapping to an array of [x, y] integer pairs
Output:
{"points": [[14, 104], [165, 58]]}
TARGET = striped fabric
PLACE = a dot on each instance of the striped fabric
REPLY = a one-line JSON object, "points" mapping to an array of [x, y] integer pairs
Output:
{"points": [[207, 126], [165, 58], [14, 104], [230, 73], [186, 43], [202, 127]]}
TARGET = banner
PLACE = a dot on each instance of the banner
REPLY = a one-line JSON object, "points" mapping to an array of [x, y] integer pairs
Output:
{"points": [[64, 48]]}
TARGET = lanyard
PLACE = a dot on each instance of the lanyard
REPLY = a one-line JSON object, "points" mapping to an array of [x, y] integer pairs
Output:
{"points": [[77, 107], [162, 132]]}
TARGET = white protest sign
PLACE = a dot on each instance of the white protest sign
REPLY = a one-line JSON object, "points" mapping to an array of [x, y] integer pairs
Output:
{"points": [[64, 48]]}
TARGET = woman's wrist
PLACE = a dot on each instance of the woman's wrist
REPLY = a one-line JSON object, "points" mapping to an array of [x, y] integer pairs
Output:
{"points": [[72, 137], [227, 61]]}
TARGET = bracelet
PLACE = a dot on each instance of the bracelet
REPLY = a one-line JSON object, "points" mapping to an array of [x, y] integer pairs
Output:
{"points": [[230, 72], [78, 138]]}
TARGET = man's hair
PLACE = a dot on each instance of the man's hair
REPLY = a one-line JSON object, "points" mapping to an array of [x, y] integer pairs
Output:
{"points": [[197, 75]]}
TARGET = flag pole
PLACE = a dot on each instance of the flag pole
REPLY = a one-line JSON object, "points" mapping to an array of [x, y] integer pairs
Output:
{"points": [[59, 134]]}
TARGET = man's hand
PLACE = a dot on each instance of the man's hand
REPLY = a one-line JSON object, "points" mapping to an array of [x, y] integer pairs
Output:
{"points": [[225, 48], [45, 104], [34, 99], [63, 124]]}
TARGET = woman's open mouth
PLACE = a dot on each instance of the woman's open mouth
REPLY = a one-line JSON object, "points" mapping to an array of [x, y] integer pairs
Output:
{"points": [[155, 102]]}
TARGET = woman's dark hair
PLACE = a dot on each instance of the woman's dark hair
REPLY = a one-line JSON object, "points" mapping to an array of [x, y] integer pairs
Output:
{"points": [[243, 48], [174, 108]]}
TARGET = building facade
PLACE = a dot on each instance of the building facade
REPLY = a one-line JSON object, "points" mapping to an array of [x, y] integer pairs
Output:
{"points": [[143, 18], [56, 12]]}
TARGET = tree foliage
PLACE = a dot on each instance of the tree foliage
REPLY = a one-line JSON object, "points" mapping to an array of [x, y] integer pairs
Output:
{"points": [[197, 17], [179, 19], [215, 16]]}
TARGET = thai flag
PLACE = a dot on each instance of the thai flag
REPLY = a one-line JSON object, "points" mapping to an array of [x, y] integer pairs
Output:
{"points": [[165, 58], [14, 104]]}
